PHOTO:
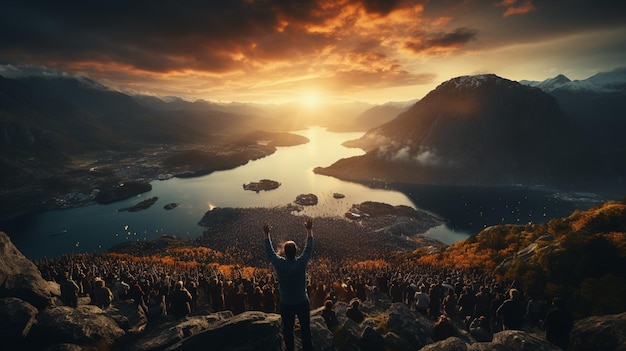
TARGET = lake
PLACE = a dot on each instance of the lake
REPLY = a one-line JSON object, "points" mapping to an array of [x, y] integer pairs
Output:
{"points": [[95, 228]]}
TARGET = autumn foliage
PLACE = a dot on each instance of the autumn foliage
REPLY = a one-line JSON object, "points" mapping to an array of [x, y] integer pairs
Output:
{"points": [[581, 257]]}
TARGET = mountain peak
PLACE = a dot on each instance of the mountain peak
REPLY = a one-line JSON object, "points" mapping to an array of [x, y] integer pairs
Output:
{"points": [[480, 129], [472, 82]]}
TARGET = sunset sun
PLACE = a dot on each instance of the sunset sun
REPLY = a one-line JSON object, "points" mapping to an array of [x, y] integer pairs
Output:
{"points": [[311, 99]]}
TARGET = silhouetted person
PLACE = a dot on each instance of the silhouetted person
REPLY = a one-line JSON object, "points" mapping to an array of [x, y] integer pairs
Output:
{"points": [[102, 294], [467, 302], [483, 303], [558, 324], [329, 315], [69, 290], [269, 299], [512, 311], [239, 300], [436, 297], [179, 301], [422, 300], [353, 312], [256, 299], [291, 272], [138, 295], [449, 304], [216, 292]]}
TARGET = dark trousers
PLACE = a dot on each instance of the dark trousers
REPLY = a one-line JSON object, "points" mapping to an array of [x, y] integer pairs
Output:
{"points": [[288, 314]]}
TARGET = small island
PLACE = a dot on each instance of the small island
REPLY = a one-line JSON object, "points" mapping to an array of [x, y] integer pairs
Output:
{"points": [[145, 204], [263, 184], [306, 199], [170, 206]]}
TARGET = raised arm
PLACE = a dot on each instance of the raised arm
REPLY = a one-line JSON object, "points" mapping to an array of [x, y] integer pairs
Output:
{"points": [[266, 230], [308, 224], [271, 254], [308, 248]]}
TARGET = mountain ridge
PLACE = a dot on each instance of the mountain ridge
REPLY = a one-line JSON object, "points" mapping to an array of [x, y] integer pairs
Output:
{"points": [[479, 130]]}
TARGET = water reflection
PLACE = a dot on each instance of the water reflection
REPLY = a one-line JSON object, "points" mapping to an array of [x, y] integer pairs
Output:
{"points": [[92, 228], [467, 210]]}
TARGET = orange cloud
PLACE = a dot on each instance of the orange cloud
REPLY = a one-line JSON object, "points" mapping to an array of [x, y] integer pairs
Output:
{"points": [[516, 7]]}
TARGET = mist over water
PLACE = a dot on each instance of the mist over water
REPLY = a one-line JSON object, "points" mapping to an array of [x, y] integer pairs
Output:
{"points": [[95, 228]]}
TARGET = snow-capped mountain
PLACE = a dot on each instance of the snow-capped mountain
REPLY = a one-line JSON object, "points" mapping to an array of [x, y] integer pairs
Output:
{"points": [[604, 82], [480, 129], [548, 84], [598, 104]]}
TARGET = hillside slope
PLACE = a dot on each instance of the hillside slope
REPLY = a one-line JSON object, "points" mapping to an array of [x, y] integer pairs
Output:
{"points": [[481, 130], [570, 257]]}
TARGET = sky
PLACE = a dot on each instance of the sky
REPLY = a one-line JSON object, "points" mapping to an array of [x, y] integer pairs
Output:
{"points": [[311, 51]]}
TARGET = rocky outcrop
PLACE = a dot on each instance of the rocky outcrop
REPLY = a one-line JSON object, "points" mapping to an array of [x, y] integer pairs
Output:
{"points": [[16, 319], [519, 340], [84, 325], [169, 331], [20, 278], [124, 326], [250, 330], [502, 341], [128, 316], [411, 326], [606, 333]]}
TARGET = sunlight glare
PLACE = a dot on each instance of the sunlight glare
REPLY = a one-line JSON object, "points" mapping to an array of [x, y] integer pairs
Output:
{"points": [[310, 99]]}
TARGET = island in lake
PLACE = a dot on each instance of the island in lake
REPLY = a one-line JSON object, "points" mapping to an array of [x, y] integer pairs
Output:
{"points": [[145, 204], [263, 184]]}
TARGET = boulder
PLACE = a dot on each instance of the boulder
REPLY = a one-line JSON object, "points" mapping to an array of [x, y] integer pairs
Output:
{"points": [[20, 278], [169, 331], [251, 330], [16, 318], [409, 325], [348, 336], [450, 344], [64, 347], [502, 341], [520, 340], [371, 340], [600, 333], [320, 334], [85, 326], [396, 342], [128, 316]]}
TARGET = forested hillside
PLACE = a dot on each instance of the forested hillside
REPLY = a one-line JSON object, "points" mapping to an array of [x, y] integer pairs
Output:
{"points": [[581, 257]]}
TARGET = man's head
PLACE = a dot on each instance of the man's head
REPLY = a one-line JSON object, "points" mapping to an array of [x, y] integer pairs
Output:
{"points": [[290, 249]]}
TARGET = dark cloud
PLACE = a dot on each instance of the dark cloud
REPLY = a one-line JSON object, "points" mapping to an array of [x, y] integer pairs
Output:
{"points": [[381, 7], [439, 42], [150, 35], [503, 23], [352, 40]]}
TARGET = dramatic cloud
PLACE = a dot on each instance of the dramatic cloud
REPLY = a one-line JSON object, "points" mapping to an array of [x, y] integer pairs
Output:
{"points": [[442, 42], [237, 49]]}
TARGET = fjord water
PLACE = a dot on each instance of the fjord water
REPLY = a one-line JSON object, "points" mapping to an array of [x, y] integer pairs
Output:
{"points": [[96, 228]]}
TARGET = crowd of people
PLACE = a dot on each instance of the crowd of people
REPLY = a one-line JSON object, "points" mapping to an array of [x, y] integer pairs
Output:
{"points": [[338, 271]]}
